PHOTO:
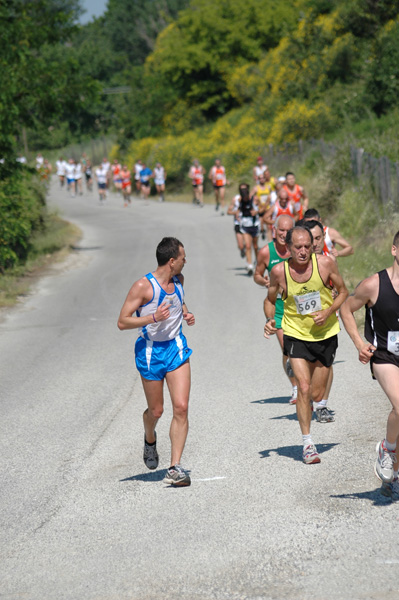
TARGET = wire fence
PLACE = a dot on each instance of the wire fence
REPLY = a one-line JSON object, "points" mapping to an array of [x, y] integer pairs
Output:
{"points": [[381, 174]]}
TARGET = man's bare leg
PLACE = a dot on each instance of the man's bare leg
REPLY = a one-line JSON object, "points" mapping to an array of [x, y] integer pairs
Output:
{"points": [[153, 391], [303, 371], [179, 383]]}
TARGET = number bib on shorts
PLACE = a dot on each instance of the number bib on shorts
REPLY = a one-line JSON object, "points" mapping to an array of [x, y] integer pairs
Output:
{"points": [[308, 303], [393, 342]]}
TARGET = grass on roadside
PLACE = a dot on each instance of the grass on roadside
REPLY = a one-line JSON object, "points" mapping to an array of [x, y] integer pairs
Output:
{"points": [[49, 245]]}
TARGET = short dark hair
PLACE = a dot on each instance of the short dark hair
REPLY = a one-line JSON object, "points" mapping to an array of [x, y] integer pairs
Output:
{"points": [[288, 239], [289, 173], [168, 247], [312, 213], [313, 223], [396, 239]]}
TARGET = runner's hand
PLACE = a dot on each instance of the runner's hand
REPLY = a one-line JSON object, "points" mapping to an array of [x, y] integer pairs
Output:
{"points": [[320, 317], [269, 328], [162, 313], [366, 352], [189, 318]]}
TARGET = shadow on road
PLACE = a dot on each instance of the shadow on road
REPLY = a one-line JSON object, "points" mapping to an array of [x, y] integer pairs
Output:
{"points": [[276, 400], [85, 248], [290, 417], [147, 477], [374, 496], [294, 452]]}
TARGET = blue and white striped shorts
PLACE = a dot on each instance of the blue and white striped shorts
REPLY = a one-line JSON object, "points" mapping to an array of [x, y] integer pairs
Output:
{"points": [[155, 359]]}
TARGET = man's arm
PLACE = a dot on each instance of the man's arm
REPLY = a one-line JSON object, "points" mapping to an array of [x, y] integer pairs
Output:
{"points": [[336, 238], [275, 275], [187, 316], [360, 297], [261, 265], [305, 200], [329, 271], [232, 210], [267, 217], [139, 294]]}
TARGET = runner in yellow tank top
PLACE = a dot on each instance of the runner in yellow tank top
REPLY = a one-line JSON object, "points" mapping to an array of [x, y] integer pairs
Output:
{"points": [[310, 324]]}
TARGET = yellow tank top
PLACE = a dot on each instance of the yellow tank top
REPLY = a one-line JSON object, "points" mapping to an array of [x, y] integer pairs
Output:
{"points": [[263, 194], [303, 299]]}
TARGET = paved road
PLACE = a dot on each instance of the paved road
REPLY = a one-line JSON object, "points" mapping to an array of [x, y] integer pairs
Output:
{"points": [[81, 516]]}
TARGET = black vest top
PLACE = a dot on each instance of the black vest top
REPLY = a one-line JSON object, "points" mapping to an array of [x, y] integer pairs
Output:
{"points": [[384, 315]]}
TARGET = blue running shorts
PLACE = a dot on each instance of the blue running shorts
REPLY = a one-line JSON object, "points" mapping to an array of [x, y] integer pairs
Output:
{"points": [[155, 359]]}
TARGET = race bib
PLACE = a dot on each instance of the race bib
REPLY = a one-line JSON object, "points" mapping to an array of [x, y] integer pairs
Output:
{"points": [[308, 303], [393, 342]]}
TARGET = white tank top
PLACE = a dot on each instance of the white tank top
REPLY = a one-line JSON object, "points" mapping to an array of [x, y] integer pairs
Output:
{"points": [[327, 239], [172, 327]]}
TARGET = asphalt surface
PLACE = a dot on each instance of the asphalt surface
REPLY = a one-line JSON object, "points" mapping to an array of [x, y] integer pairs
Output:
{"points": [[82, 518]]}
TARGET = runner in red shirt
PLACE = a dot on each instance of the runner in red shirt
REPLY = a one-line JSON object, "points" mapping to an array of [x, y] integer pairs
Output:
{"points": [[296, 193], [217, 175]]}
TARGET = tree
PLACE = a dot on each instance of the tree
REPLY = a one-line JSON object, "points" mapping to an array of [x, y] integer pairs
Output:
{"points": [[40, 78]]}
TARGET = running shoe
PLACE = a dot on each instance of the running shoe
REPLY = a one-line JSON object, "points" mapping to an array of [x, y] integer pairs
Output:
{"points": [[384, 464], [294, 395], [310, 455], [288, 368], [263, 235], [242, 252], [391, 490], [323, 415], [250, 270], [177, 476], [150, 455]]}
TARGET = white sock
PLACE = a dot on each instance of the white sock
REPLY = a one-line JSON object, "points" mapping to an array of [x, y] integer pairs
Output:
{"points": [[321, 404], [389, 446], [307, 439]]}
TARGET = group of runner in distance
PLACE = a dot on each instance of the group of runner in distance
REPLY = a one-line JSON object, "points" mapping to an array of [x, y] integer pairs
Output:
{"points": [[305, 291]]}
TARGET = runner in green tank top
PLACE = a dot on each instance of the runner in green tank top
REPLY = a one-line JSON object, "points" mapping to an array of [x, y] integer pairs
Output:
{"points": [[270, 255]]}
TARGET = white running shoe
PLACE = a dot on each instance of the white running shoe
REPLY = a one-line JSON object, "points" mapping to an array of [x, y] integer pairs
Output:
{"points": [[294, 395], [384, 464], [310, 455]]}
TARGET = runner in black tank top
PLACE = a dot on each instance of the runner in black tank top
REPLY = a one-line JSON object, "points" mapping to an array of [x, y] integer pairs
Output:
{"points": [[380, 294], [382, 318]]}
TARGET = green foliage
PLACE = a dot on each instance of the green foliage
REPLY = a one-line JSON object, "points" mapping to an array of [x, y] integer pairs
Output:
{"points": [[22, 210], [41, 80], [383, 81]]}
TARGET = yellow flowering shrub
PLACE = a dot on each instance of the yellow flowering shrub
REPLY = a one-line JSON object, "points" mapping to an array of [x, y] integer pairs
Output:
{"points": [[300, 120]]}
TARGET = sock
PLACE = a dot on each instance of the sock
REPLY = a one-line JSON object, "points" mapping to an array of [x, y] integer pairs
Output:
{"points": [[321, 404], [307, 439], [389, 446]]}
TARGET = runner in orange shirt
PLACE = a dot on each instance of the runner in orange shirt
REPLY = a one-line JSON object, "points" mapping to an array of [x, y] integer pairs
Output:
{"points": [[282, 206], [196, 174], [126, 184], [116, 175], [217, 175], [296, 193]]}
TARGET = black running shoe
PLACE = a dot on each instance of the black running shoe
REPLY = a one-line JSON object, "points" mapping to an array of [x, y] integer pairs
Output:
{"points": [[150, 455]]}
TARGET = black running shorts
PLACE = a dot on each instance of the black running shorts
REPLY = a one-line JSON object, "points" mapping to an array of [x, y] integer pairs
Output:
{"points": [[322, 351], [383, 357]]}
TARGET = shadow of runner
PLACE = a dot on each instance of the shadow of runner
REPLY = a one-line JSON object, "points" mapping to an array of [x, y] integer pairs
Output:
{"points": [[275, 400], [147, 477], [374, 496], [294, 452]]}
